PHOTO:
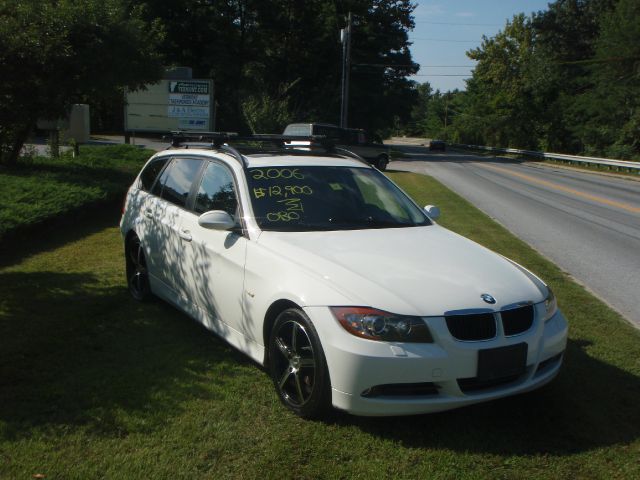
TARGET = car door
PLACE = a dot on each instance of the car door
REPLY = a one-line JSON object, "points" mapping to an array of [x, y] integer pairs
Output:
{"points": [[215, 259], [144, 203], [171, 193]]}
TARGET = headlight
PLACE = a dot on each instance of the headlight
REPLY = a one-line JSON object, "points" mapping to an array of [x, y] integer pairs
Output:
{"points": [[550, 304], [375, 324]]}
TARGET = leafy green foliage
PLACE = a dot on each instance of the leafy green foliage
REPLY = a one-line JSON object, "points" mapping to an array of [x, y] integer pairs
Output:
{"points": [[566, 80], [56, 53], [280, 61], [614, 101], [44, 189]]}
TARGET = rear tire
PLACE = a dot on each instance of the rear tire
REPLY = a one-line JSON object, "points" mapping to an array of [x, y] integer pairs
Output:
{"points": [[297, 365], [382, 162], [136, 267]]}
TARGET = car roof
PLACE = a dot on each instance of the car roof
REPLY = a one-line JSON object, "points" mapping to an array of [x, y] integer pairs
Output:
{"points": [[262, 160], [267, 159]]}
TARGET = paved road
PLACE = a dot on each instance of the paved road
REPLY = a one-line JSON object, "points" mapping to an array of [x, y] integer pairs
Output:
{"points": [[588, 224]]}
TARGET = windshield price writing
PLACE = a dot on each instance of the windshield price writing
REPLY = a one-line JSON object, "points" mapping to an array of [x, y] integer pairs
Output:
{"points": [[275, 173], [277, 192]]}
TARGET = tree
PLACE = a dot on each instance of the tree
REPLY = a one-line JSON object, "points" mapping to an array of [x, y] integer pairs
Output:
{"points": [[502, 90], [55, 53], [613, 105], [275, 61], [566, 36]]}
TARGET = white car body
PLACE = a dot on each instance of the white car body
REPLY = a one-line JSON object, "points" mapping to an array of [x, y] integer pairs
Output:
{"points": [[232, 283]]}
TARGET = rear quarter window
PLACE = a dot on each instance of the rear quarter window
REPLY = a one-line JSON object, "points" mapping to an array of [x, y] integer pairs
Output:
{"points": [[151, 172], [177, 179], [298, 130]]}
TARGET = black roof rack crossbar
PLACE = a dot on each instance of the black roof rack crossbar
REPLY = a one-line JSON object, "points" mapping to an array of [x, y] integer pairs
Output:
{"points": [[180, 137], [230, 142], [217, 139]]}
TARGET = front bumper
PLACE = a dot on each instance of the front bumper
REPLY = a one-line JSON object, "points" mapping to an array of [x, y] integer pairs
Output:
{"points": [[357, 365]]}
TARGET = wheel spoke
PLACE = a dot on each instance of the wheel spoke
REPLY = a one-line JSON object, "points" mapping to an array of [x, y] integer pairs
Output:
{"points": [[283, 348], [133, 255], [284, 377], [140, 258], [299, 387]]}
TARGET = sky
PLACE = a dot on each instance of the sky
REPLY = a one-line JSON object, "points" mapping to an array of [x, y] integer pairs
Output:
{"points": [[446, 29]]}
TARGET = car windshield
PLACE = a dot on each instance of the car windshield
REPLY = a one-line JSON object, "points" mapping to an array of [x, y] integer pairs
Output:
{"points": [[329, 198]]}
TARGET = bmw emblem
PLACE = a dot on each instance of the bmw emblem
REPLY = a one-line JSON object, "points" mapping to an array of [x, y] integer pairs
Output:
{"points": [[488, 298]]}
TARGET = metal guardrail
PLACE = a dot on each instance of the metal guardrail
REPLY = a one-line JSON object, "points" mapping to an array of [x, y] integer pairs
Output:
{"points": [[618, 164]]}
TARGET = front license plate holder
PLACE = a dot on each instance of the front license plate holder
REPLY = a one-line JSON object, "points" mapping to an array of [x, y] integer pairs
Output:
{"points": [[502, 361]]}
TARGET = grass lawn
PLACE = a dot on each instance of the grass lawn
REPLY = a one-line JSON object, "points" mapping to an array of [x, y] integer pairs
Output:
{"points": [[94, 385], [40, 188]]}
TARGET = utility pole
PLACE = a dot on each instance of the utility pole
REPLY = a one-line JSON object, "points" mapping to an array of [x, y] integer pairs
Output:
{"points": [[345, 38]]}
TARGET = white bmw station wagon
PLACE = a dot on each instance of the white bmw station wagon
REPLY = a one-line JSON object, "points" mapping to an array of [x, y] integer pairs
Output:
{"points": [[319, 267]]}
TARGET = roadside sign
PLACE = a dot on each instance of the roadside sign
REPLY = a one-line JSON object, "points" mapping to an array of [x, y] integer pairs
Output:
{"points": [[171, 105], [190, 86]]}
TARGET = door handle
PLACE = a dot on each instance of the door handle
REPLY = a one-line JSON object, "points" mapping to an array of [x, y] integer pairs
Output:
{"points": [[148, 213], [185, 235]]}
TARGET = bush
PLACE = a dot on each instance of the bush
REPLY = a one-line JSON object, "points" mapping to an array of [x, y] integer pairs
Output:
{"points": [[43, 189]]}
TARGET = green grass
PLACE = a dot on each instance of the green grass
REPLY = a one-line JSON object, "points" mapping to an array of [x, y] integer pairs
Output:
{"points": [[94, 385], [40, 188]]}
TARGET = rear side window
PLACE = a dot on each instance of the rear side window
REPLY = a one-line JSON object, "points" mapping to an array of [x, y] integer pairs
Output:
{"points": [[176, 181], [216, 191], [300, 130], [149, 174]]}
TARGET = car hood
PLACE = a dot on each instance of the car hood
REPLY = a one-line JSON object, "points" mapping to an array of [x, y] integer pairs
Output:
{"points": [[426, 271]]}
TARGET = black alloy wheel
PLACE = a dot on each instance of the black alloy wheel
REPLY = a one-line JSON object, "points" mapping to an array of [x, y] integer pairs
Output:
{"points": [[137, 274], [297, 364]]}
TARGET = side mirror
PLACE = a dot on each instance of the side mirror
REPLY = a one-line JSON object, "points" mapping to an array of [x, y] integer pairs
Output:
{"points": [[216, 220], [432, 211]]}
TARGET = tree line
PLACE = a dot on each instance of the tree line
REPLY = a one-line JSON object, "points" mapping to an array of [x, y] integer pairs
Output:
{"points": [[564, 80], [272, 61]]}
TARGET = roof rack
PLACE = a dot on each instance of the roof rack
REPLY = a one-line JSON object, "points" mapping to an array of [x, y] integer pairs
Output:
{"points": [[232, 143]]}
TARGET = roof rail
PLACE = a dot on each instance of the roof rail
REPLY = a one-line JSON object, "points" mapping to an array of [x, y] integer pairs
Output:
{"points": [[235, 153], [231, 143], [180, 137]]}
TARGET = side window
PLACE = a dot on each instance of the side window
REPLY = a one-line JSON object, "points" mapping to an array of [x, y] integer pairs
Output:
{"points": [[176, 181], [149, 174], [217, 191], [157, 187], [298, 130]]}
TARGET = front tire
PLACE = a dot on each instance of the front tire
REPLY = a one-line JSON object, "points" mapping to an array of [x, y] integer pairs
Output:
{"points": [[137, 273], [297, 365]]}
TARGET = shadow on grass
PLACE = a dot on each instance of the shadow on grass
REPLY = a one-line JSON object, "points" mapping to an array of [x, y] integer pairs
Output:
{"points": [[58, 231], [80, 354], [588, 406]]}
